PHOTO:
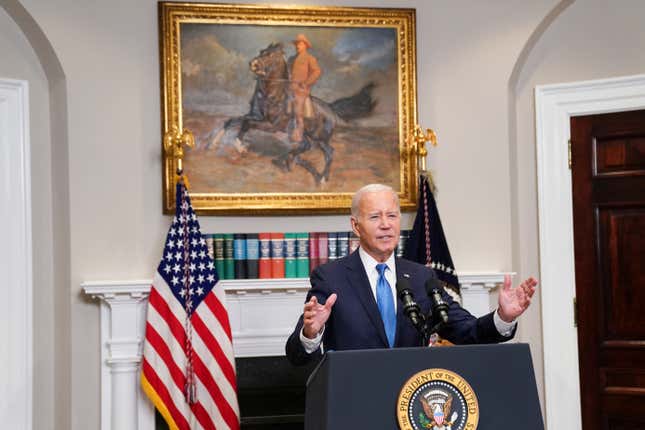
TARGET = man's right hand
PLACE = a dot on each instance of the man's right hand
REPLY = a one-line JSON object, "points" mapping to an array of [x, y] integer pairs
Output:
{"points": [[316, 315]]}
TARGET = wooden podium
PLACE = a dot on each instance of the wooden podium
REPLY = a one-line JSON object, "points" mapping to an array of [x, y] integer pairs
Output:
{"points": [[361, 389]]}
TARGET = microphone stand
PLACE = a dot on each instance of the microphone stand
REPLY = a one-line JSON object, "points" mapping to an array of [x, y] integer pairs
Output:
{"points": [[425, 331], [437, 327]]}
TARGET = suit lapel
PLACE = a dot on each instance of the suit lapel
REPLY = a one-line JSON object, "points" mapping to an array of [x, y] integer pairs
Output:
{"points": [[360, 284]]}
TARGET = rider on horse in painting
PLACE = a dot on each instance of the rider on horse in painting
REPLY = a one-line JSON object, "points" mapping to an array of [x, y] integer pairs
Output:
{"points": [[281, 102], [305, 71]]}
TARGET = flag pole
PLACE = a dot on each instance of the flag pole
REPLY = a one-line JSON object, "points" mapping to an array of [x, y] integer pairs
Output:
{"points": [[427, 219], [174, 143]]}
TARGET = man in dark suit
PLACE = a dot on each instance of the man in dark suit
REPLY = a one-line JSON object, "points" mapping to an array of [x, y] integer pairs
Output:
{"points": [[352, 303]]}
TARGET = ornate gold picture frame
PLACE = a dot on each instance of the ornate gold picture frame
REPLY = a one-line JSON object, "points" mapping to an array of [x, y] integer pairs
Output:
{"points": [[291, 109]]}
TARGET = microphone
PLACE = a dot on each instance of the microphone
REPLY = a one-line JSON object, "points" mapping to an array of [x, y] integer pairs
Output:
{"points": [[410, 307], [439, 307]]}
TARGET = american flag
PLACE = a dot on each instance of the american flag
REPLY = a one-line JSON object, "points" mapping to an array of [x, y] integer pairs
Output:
{"points": [[427, 243], [188, 368]]}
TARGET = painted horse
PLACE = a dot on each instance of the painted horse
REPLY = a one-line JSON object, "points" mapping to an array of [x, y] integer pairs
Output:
{"points": [[269, 111]]}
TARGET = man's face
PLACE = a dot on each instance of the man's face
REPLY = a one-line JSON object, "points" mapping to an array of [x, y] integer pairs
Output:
{"points": [[301, 46], [378, 224]]}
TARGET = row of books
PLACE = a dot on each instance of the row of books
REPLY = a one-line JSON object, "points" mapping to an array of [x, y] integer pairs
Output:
{"points": [[280, 255]]}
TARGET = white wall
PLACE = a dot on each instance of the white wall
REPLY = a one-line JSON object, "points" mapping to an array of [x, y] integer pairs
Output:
{"points": [[467, 50]]}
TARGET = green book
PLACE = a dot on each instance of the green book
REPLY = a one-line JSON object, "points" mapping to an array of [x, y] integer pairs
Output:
{"points": [[218, 248], [302, 255], [229, 262], [290, 270]]}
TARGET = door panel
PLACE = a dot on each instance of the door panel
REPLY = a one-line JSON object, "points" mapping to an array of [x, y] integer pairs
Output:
{"points": [[608, 180], [622, 235]]}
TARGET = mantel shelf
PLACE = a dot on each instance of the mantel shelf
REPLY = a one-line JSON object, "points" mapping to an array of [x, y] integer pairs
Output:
{"points": [[103, 289]]}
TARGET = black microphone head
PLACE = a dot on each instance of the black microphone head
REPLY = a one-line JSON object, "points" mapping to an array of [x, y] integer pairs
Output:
{"points": [[432, 284], [410, 308], [439, 307], [402, 284]]}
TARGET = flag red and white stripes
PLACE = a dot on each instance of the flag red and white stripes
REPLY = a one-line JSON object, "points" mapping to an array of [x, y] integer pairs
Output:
{"points": [[188, 368]]}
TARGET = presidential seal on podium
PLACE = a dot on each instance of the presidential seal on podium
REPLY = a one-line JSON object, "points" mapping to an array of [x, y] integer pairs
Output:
{"points": [[437, 399]]}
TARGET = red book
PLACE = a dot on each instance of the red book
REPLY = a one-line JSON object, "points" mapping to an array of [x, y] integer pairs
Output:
{"points": [[277, 255], [323, 251], [314, 250], [264, 265]]}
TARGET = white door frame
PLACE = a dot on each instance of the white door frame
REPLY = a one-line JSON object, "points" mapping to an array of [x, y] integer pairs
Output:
{"points": [[554, 106], [16, 327]]}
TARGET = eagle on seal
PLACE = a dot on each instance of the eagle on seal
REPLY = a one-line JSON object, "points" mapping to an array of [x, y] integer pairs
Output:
{"points": [[438, 412]]}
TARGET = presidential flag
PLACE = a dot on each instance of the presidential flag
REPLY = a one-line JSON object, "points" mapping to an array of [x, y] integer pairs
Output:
{"points": [[188, 368], [427, 243]]}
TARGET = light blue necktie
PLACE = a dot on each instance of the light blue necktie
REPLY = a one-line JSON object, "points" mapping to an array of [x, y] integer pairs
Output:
{"points": [[385, 303]]}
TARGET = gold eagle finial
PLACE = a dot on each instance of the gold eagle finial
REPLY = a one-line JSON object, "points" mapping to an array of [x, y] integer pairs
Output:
{"points": [[173, 144], [420, 138]]}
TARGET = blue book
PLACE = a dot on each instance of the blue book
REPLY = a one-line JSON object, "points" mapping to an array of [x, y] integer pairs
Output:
{"points": [[239, 255], [252, 255], [342, 243], [332, 246]]}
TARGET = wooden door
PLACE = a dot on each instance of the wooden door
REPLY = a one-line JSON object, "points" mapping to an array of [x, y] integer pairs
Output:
{"points": [[608, 181]]}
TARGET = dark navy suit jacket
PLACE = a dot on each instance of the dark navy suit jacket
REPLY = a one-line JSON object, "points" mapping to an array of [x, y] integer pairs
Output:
{"points": [[355, 321]]}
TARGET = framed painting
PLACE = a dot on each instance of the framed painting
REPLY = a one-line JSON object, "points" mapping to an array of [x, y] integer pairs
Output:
{"points": [[291, 109]]}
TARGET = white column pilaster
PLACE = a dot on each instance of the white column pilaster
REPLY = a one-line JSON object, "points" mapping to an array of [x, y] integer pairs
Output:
{"points": [[123, 308]]}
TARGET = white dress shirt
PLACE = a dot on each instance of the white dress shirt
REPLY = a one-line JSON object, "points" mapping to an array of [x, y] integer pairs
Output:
{"points": [[372, 274]]}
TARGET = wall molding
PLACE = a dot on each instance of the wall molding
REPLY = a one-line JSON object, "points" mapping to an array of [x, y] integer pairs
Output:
{"points": [[262, 312], [554, 106], [16, 278]]}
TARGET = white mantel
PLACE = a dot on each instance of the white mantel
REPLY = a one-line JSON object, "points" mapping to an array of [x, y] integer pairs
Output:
{"points": [[262, 312]]}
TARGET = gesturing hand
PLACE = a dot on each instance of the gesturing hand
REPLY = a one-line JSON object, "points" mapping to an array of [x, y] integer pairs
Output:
{"points": [[316, 315], [514, 301]]}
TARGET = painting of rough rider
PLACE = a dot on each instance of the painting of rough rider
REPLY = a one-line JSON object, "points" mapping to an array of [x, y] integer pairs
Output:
{"points": [[278, 109]]}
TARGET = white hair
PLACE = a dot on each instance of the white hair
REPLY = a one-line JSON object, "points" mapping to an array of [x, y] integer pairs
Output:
{"points": [[371, 188]]}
